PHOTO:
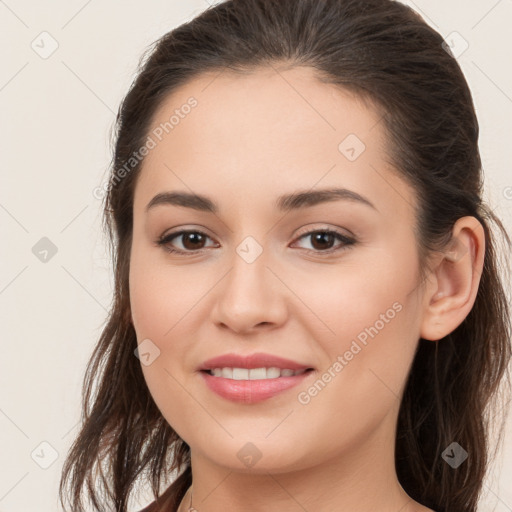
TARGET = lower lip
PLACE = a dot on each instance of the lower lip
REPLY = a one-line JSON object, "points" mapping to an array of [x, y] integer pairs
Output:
{"points": [[251, 391]]}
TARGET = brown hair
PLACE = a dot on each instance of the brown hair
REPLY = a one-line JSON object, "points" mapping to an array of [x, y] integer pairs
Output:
{"points": [[384, 52]]}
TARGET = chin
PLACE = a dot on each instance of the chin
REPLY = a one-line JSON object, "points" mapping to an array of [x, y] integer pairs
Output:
{"points": [[259, 456]]}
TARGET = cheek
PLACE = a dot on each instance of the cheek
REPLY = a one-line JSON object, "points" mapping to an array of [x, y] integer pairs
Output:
{"points": [[369, 325], [366, 360], [161, 295], [170, 393], [166, 306], [161, 302]]}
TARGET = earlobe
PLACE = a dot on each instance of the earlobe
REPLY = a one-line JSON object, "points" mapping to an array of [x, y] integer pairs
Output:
{"points": [[455, 280]]}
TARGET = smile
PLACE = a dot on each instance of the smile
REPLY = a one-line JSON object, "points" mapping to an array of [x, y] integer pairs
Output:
{"points": [[252, 385], [254, 373]]}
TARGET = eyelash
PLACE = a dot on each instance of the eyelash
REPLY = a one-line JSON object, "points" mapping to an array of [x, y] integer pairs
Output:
{"points": [[164, 240]]}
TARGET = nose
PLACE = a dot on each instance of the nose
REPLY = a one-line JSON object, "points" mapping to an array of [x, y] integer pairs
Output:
{"points": [[251, 297]]}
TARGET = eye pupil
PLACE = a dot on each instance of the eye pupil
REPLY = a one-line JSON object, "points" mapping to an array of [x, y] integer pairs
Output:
{"points": [[321, 237], [196, 237]]}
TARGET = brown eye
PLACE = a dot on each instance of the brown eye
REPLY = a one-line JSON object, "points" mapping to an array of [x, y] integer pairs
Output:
{"points": [[322, 241], [191, 241]]}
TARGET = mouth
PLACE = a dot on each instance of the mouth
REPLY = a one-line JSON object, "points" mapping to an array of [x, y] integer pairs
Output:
{"points": [[258, 361], [272, 372], [253, 378]]}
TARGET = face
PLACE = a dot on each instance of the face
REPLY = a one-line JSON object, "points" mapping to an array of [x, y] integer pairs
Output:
{"points": [[327, 282]]}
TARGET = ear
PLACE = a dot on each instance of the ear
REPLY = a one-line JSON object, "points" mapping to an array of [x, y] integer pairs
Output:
{"points": [[454, 282]]}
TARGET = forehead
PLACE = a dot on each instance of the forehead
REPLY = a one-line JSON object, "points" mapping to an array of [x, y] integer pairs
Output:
{"points": [[282, 109], [269, 132]]}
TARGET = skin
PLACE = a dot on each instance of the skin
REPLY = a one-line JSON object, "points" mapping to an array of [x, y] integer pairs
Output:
{"points": [[250, 139]]}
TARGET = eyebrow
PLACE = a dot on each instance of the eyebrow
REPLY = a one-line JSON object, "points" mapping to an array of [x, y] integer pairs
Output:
{"points": [[285, 203]]}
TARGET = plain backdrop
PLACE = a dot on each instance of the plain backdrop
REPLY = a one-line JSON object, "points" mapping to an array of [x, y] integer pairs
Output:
{"points": [[65, 67]]}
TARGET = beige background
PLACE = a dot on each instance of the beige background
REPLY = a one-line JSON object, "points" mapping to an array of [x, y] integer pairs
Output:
{"points": [[56, 116]]}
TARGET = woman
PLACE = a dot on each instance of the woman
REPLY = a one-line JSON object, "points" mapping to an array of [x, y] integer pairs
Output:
{"points": [[309, 313]]}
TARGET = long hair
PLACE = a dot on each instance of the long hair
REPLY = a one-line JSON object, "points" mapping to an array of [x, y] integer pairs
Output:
{"points": [[384, 52]]}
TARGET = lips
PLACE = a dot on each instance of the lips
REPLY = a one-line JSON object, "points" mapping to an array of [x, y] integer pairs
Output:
{"points": [[258, 360], [253, 378]]}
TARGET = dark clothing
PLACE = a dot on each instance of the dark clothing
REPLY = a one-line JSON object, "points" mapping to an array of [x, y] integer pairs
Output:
{"points": [[170, 500], [161, 504]]}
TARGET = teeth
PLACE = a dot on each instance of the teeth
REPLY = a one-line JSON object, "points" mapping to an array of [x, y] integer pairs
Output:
{"points": [[253, 373], [240, 373], [257, 373], [273, 372], [227, 373]]}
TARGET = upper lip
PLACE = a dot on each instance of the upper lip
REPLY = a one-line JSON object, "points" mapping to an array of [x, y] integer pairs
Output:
{"points": [[258, 360]]}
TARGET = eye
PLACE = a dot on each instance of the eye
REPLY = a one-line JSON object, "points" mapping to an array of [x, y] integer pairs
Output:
{"points": [[321, 238], [193, 241]]}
